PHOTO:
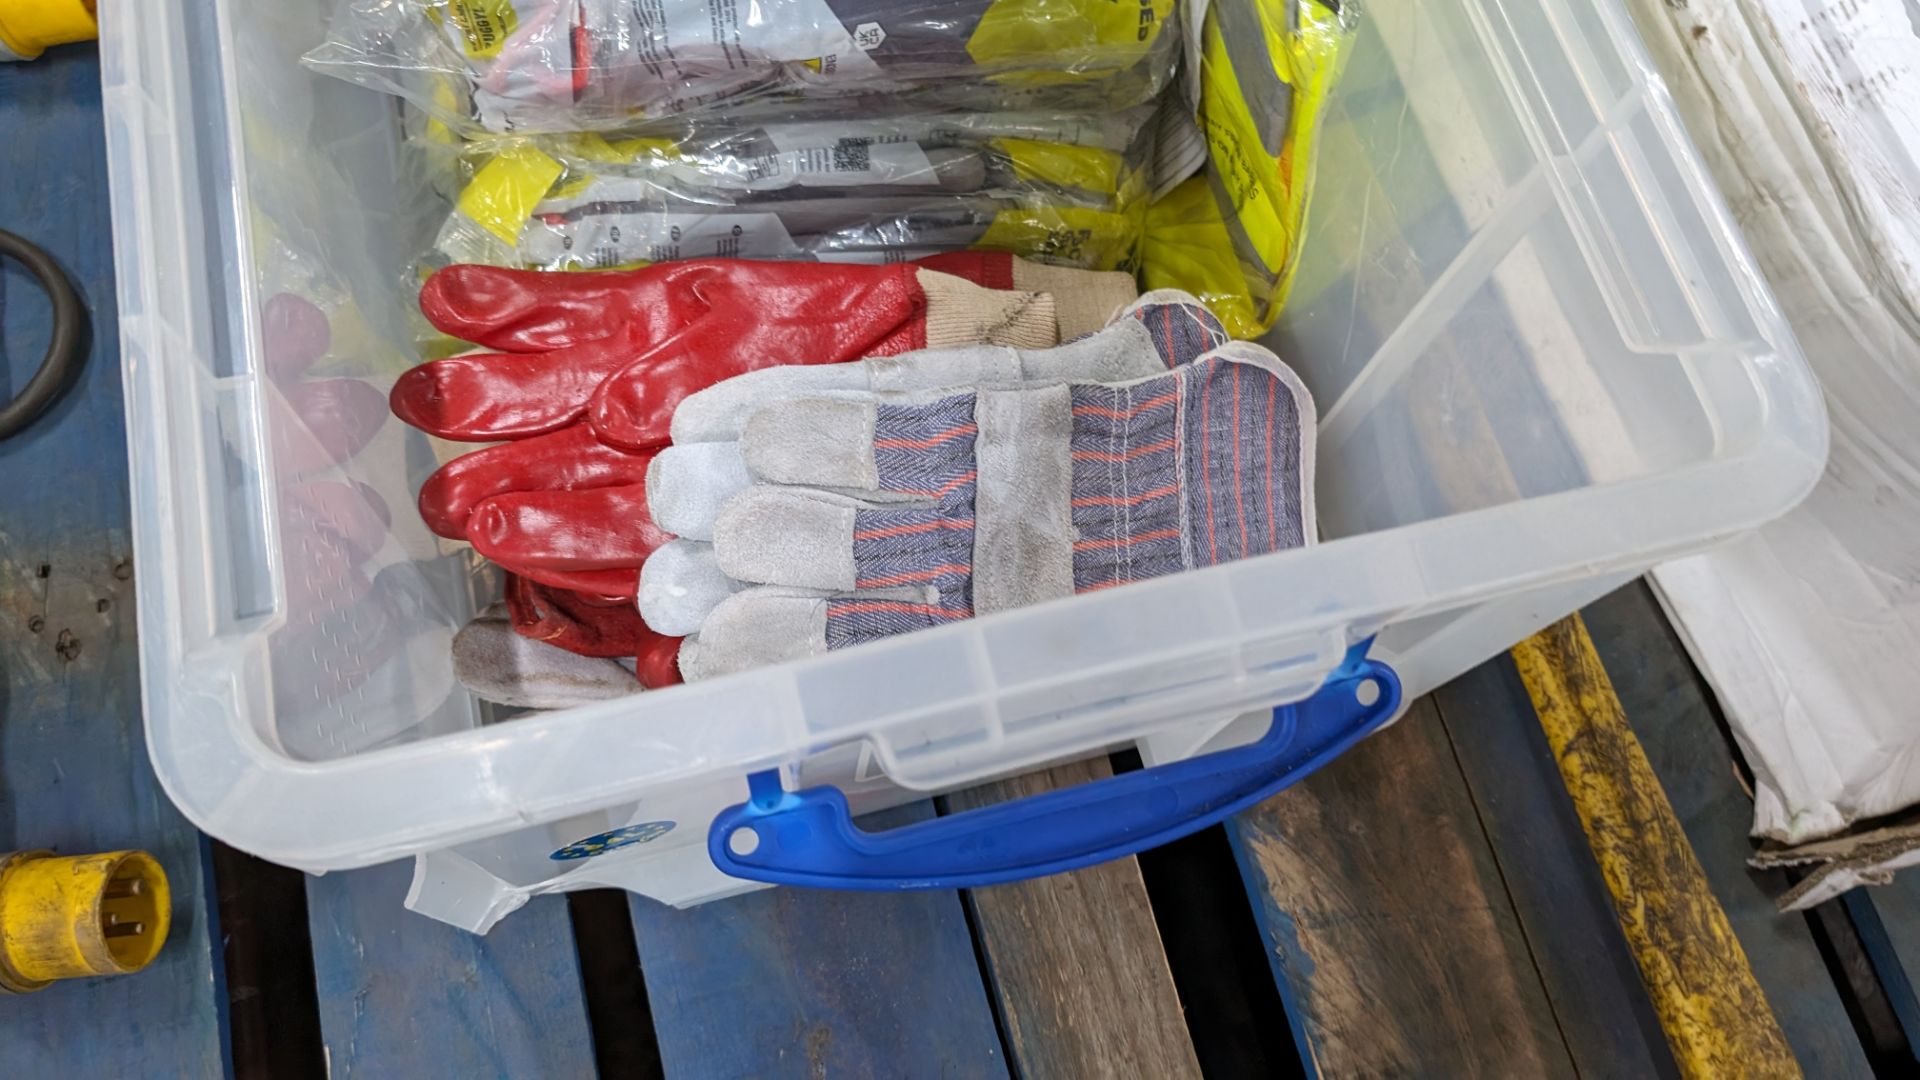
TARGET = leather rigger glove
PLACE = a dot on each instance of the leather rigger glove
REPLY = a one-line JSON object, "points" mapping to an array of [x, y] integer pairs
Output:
{"points": [[853, 512]]}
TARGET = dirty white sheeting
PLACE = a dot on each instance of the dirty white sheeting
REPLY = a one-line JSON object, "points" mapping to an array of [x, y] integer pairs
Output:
{"points": [[1808, 114]]}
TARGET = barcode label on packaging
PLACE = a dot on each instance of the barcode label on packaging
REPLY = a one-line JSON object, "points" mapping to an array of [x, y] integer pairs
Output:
{"points": [[847, 162], [602, 236]]}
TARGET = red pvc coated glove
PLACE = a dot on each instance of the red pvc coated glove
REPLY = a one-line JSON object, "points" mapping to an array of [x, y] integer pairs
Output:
{"points": [[622, 348], [600, 359], [592, 627], [564, 509]]}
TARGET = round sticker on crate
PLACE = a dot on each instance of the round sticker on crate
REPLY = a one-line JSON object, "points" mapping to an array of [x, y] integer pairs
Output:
{"points": [[617, 838]]}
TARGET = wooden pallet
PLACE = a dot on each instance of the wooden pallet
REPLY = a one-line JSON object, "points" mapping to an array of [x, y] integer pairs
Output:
{"points": [[1426, 904]]}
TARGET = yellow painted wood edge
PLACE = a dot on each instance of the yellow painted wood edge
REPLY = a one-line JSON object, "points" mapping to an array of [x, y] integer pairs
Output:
{"points": [[1717, 1019]]}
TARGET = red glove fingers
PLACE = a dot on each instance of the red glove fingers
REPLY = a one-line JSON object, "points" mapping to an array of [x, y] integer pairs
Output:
{"points": [[580, 624], [593, 337], [679, 327], [657, 663], [756, 324], [484, 397], [569, 532], [607, 585], [568, 459], [540, 311]]}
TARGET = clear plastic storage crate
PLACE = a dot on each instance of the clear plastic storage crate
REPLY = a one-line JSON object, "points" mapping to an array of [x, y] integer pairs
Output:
{"points": [[1542, 356]]}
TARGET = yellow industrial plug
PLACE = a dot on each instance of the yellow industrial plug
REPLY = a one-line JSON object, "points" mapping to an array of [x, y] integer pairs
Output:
{"points": [[28, 27], [72, 916]]}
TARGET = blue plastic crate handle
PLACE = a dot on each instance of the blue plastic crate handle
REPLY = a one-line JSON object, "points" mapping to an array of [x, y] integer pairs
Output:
{"points": [[809, 838]]}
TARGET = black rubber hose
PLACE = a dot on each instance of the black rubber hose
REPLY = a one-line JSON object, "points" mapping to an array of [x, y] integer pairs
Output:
{"points": [[63, 356]]}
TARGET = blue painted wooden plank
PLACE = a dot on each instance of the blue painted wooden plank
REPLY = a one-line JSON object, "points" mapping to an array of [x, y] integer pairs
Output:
{"points": [[1042, 940], [403, 995], [1887, 920], [1558, 893], [1667, 705], [1391, 934], [805, 983], [73, 760]]}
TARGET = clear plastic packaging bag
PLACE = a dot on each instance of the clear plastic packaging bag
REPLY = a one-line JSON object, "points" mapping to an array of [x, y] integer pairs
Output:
{"points": [[569, 65], [1063, 189]]}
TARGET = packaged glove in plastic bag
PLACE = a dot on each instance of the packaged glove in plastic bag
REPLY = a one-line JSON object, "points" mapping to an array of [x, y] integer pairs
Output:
{"points": [[1068, 190], [565, 65], [1260, 71]]}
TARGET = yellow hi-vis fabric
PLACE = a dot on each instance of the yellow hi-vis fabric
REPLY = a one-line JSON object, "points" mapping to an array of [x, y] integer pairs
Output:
{"points": [[1232, 234]]}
